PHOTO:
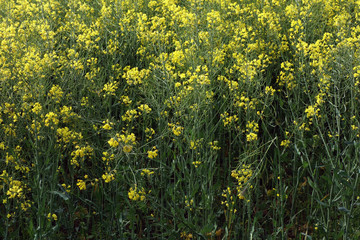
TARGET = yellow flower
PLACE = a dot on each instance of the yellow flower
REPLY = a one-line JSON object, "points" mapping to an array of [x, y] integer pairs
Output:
{"points": [[285, 143], [149, 133], [130, 138], [153, 153], [227, 120], [177, 130], [56, 93], [110, 88], [52, 217], [127, 148], [51, 117], [84, 101], [136, 194], [146, 172], [107, 125], [81, 184], [269, 90], [311, 111], [15, 189], [186, 236], [113, 143], [133, 76], [144, 108], [130, 115], [108, 177], [251, 137], [36, 108], [213, 145], [126, 100], [196, 163]]}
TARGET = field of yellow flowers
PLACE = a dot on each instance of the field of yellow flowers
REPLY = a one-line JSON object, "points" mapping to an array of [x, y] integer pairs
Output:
{"points": [[179, 119]]}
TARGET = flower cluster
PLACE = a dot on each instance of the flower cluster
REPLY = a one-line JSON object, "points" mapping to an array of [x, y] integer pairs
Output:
{"points": [[242, 176], [136, 194]]}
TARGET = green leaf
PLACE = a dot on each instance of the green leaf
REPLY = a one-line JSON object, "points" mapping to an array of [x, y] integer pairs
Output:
{"points": [[322, 203], [327, 179], [312, 184], [305, 164], [64, 196], [342, 177], [207, 228], [344, 210], [307, 236]]}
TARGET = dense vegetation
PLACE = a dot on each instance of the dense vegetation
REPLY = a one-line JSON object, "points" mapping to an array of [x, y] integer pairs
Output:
{"points": [[179, 119]]}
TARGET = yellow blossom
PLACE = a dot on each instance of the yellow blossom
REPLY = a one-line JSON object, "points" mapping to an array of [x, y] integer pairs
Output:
{"points": [[144, 108], [107, 125], [81, 184], [285, 143], [113, 143], [136, 194], [51, 117], [52, 217], [36, 108], [251, 137], [152, 153], [196, 163], [56, 93], [110, 88], [146, 172], [127, 148], [108, 177]]}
